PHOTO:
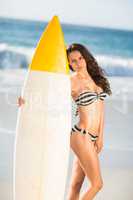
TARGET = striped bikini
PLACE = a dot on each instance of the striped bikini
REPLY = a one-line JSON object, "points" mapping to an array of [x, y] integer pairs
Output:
{"points": [[75, 129], [84, 99]]}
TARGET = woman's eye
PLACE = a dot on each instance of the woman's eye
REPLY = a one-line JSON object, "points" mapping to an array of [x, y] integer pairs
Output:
{"points": [[73, 61]]}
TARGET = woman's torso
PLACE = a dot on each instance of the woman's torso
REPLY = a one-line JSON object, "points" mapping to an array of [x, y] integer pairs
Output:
{"points": [[89, 115]]}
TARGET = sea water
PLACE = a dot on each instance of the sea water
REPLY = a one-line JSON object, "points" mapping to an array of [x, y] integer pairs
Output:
{"points": [[113, 49]]}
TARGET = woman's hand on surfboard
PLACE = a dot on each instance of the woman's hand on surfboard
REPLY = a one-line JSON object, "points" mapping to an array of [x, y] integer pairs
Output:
{"points": [[20, 101]]}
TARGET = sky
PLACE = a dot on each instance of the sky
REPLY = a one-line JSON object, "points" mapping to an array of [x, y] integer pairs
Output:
{"points": [[103, 13]]}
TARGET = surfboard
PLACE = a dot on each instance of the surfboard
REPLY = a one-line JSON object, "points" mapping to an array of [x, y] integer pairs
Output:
{"points": [[42, 140]]}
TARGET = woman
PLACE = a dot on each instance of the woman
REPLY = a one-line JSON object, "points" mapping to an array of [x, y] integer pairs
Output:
{"points": [[89, 87]]}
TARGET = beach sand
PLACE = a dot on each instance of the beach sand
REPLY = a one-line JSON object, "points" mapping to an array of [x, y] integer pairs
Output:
{"points": [[116, 157], [117, 180]]}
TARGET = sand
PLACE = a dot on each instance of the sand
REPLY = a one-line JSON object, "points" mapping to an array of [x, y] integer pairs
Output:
{"points": [[116, 158]]}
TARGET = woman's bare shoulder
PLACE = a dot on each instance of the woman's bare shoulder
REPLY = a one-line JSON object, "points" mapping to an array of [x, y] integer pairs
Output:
{"points": [[73, 79], [99, 89], [73, 85], [73, 76]]}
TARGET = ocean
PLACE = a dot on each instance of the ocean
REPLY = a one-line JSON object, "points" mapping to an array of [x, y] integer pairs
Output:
{"points": [[112, 48]]}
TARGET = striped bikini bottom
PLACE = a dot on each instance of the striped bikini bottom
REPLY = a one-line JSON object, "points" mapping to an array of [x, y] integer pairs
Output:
{"points": [[75, 128]]}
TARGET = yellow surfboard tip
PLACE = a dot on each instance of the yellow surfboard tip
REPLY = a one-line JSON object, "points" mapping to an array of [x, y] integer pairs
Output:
{"points": [[50, 54], [55, 17]]}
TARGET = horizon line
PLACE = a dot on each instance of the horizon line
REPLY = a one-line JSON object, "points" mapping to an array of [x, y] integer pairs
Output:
{"points": [[67, 23]]}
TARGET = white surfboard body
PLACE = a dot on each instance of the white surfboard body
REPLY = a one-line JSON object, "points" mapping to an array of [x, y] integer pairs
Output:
{"points": [[42, 140]]}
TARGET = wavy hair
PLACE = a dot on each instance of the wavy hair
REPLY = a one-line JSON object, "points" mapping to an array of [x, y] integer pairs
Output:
{"points": [[94, 70]]}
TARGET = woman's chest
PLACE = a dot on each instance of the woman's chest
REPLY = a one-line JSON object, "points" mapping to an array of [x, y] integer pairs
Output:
{"points": [[79, 86]]}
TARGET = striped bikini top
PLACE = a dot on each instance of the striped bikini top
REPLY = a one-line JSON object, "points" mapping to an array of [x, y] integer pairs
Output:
{"points": [[88, 97]]}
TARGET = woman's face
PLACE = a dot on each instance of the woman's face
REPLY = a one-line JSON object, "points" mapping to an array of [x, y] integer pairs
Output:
{"points": [[77, 61]]}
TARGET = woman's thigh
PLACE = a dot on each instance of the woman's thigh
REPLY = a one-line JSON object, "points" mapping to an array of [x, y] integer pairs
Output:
{"points": [[84, 149]]}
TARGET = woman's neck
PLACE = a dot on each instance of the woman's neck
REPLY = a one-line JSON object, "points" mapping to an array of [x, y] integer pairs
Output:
{"points": [[84, 74]]}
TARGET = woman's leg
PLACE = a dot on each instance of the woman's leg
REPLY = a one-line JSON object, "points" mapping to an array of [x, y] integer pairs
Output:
{"points": [[88, 158], [76, 181]]}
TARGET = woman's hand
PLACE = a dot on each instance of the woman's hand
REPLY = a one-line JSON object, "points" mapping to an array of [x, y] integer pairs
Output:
{"points": [[20, 101], [98, 145]]}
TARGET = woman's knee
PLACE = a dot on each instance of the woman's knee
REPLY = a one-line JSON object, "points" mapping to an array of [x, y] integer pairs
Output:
{"points": [[97, 185], [76, 186]]}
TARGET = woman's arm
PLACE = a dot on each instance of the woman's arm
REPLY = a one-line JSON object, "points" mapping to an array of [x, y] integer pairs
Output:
{"points": [[101, 126], [99, 141]]}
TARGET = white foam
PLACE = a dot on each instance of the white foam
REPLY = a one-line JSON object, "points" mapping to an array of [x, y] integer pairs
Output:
{"points": [[22, 50], [114, 61], [105, 60]]}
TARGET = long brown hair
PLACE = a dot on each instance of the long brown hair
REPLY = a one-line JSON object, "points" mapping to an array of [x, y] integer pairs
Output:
{"points": [[95, 71]]}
